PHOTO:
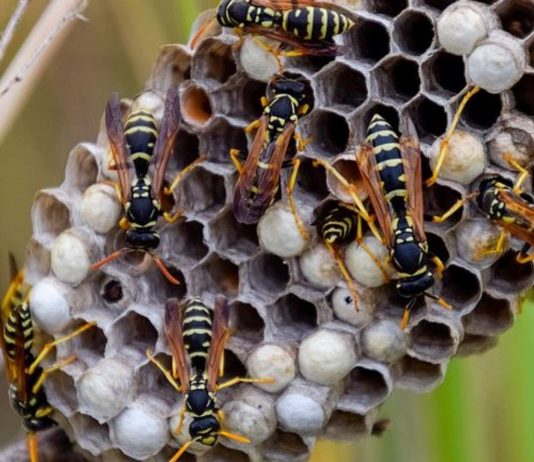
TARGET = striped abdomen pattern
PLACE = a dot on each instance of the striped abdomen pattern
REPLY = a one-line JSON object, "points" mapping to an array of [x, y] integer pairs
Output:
{"points": [[197, 328], [141, 133]]}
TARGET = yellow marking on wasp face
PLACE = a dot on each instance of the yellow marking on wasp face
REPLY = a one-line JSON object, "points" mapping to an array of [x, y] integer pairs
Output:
{"points": [[385, 147]]}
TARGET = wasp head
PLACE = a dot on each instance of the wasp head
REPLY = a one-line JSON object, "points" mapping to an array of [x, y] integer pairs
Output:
{"points": [[205, 429]]}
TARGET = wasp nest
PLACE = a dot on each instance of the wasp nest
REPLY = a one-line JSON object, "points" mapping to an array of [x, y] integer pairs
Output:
{"points": [[294, 319]]}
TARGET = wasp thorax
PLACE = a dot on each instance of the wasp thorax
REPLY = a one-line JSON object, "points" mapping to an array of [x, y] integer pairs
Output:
{"points": [[415, 285]]}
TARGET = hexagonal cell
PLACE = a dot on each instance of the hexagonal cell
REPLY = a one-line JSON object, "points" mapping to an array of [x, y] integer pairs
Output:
{"points": [[223, 276], [509, 276], [445, 73], [244, 100], [310, 64], [293, 317], [235, 240], [369, 42], [172, 67], [217, 142], [437, 247], [475, 344], [246, 321], [202, 192], [284, 446], [82, 168], [414, 32], [131, 335], [387, 7], [346, 426], [90, 435], [342, 86], [491, 316], [37, 261], [150, 380], [329, 132], [482, 110], [366, 388], [50, 215], [420, 376], [517, 17], [89, 346], [433, 341], [277, 270], [213, 62], [223, 454], [186, 239], [197, 106], [524, 100], [185, 150], [399, 78], [166, 288], [111, 292], [61, 392], [233, 366], [430, 118], [438, 199], [461, 287]]}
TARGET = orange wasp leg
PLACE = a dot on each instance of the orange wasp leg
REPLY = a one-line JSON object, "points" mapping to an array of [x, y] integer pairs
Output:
{"points": [[444, 145], [236, 380], [163, 370], [499, 247], [523, 256], [182, 174], [46, 372], [345, 273], [289, 190], [454, 208], [368, 251], [33, 448], [439, 266], [173, 217], [234, 155]]}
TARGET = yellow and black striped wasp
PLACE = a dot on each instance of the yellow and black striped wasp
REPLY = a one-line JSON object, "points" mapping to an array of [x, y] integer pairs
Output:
{"points": [[136, 146], [197, 337], [392, 174], [306, 26], [25, 375], [259, 176]]}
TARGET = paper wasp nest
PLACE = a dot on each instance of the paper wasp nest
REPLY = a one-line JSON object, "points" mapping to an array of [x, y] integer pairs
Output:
{"points": [[334, 367]]}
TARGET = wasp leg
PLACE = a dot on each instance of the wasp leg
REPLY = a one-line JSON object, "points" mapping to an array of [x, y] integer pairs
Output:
{"points": [[523, 256], [173, 217], [33, 447], [46, 372], [161, 266], [444, 145], [184, 448], [345, 273], [182, 174], [368, 251], [235, 154], [233, 436], [164, 370], [99, 264], [455, 207], [439, 266], [236, 380], [180, 424], [499, 247], [523, 172], [351, 190], [405, 318], [50, 345], [254, 125], [289, 190], [124, 224], [301, 142]]}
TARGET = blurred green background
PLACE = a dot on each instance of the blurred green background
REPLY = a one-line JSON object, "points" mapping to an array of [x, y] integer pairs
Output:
{"points": [[484, 412]]}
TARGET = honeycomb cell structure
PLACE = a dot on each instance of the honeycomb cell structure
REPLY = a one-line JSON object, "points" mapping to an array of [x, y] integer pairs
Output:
{"points": [[291, 316]]}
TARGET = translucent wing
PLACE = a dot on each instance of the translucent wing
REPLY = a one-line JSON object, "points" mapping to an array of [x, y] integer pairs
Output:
{"points": [[367, 164], [118, 145], [523, 212], [165, 143], [173, 332], [220, 334]]}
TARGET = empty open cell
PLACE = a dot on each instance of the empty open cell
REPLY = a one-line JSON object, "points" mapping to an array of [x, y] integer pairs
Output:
{"points": [[399, 78], [433, 341], [517, 17], [268, 274], [509, 276], [196, 105], [223, 454], [329, 132], [185, 150], [37, 261], [420, 376], [284, 446], [233, 367], [150, 380], [475, 344], [293, 316], [188, 241], [483, 110], [250, 94], [213, 62], [524, 97], [112, 291], [172, 67], [366, 388], [220, 139], [460, 287], [438, 199], [82, 168], [167, 288], [343, 86], [246, 322], [232, 238], [491, 316], [202, 192], [50, 216], [131, 336], [414, 32], [369, 41], [61, 392], [309, 63], [89, 346], [387, 7], [90, 435], [430, 118], [437, 247], [223, 274], [445, 72], [312, 179], [346, 426]]}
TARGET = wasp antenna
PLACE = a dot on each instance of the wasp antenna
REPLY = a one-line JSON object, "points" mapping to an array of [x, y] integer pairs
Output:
{"points": [[180, 451], [33, 449], [165, 271], [99, 264], [233, 436]]}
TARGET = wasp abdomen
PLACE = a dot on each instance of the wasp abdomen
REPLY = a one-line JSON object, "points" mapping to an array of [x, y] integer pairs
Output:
{"points": [[141, 132], [338, 225], [197, 328], [315, 24]]}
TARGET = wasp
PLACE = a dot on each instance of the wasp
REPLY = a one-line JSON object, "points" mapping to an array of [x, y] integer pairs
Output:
{"points": [[392, 175], [259, 176], [197, 337], [307, 26], [136, 146], [25, 375]]}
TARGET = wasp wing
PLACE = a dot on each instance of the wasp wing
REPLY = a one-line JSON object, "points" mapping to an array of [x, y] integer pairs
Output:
{"points": [[411, 159], [118, 145], [219, 337], [173, 331], [165, 143], [367, 164], [522, 226]]}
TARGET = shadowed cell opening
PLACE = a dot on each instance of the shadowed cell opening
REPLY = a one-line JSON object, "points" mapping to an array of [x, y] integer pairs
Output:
{"points": [[214, 61], [233, 367], [387, 7], [246, 322], [294, 317], [414, 32], [509, 276], [196, 105], [437, 247], [185, 151], [202, 191], [188, 241], [132, 335], [482, 110], [82, 169], [233, 238], [346, 426], [343, 86], [448, 72], [367, 387], [329, 132], [220, 139], [460, 287], [251, 93], [517, 17], [150, 380], [310, 63], [312, 179], [275, 267], [491, 316], [112, 291], [50, 216], [402, 77], [224, 276], [438, 199], [430, 119], [475, 344], [369, 41], [285, 446], [417, 374], [524, 96], [432, 340]]}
